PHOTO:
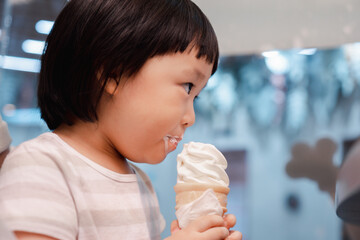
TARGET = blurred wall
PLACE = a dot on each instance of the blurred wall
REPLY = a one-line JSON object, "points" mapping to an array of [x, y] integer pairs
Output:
{"points": [[251, 26]]}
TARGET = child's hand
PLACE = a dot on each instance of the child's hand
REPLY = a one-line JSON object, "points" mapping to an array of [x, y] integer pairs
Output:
{"points": [[230, 221], [208, 227]]}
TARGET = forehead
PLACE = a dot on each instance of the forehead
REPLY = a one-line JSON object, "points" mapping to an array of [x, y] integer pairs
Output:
{"points": [[189, 63]]}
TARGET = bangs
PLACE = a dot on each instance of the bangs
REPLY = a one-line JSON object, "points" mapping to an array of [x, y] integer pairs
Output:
{"points": [[185, 26]]}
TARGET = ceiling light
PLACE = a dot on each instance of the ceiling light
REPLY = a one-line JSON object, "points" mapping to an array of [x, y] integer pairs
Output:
{"points": [[20, 64], [33, 46], [270, 54], [44, 26], [309, 51]]}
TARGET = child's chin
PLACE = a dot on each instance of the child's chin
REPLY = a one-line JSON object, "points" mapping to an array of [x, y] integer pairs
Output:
{"points": [[157, 161], [154, 160]]}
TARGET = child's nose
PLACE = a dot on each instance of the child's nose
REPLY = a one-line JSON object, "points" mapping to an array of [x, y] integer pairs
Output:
{"points": [[189, 116]]}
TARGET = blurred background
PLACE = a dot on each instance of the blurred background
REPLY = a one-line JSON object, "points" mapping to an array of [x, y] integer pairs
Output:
{"points": [[284, 106]]}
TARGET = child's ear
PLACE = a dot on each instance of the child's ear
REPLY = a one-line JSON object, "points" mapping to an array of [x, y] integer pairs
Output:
{"points": [[111, 86]]}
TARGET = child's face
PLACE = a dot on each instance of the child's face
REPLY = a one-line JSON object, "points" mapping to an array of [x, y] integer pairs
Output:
{"points": [[147, 117]]}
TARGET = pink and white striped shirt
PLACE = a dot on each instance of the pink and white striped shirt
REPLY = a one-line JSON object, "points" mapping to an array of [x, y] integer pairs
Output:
{"points": [[47, 187]]}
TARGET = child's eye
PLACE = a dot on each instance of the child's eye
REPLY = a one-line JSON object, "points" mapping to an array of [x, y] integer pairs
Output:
{"points": [[188, 86]]}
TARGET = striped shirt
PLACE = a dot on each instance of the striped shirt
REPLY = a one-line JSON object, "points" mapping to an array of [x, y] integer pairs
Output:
{"points": [[49, 188]]}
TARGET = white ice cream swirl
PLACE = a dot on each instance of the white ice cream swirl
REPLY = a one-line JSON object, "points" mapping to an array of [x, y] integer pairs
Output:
{"points": [[202, 163]]}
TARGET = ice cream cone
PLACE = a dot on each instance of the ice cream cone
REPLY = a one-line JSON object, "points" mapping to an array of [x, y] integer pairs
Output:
{"points": [[188, 192]]}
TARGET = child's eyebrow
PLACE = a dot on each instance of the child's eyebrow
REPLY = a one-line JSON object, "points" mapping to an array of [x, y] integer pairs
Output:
{"points": [[194, 71]]}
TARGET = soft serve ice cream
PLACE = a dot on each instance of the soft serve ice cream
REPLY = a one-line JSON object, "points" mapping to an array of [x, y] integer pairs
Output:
{"points": [[202, 183], [202, 163]]}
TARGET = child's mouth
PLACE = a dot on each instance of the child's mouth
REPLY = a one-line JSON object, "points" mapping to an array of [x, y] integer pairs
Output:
{"points": [[171, 143]]}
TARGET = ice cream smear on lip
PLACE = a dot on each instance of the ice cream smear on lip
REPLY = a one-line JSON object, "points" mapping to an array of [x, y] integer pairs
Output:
{"points": [[202, 163], [173, 141]]}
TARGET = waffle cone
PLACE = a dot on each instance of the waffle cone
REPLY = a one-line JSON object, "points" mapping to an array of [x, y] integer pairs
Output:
{"points": [[186, 193]]}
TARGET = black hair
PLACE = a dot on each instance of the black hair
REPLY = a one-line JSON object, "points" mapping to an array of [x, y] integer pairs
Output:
{"points": [[113, 39]]}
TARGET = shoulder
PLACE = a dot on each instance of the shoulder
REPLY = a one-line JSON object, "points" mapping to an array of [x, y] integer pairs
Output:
{"points": [[38, 160], [34, 162], [41, 143], [44, 149]]}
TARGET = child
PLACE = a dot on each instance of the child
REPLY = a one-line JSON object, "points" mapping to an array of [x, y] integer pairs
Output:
{"points": [[117, 84]]}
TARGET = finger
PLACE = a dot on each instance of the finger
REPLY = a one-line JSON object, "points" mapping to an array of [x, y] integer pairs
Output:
{"points": [[234, 235], [174, 227], [204, 223], [216, 233], [230, 220]]}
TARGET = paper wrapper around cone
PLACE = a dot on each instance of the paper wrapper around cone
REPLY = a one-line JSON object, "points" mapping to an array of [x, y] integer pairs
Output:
{"points": [[188, 192]]}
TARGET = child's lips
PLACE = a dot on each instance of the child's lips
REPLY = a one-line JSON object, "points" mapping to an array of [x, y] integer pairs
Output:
{"points": [[172, 142]]}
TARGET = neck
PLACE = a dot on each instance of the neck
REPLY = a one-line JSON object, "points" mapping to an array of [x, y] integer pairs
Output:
{"points": [[87, 139]]}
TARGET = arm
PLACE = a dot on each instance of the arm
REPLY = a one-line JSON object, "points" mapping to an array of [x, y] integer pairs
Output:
{"points": [[31, 236]]}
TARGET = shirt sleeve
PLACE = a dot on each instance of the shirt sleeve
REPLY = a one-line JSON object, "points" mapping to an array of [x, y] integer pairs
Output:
{"points": [[35, 197]]}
